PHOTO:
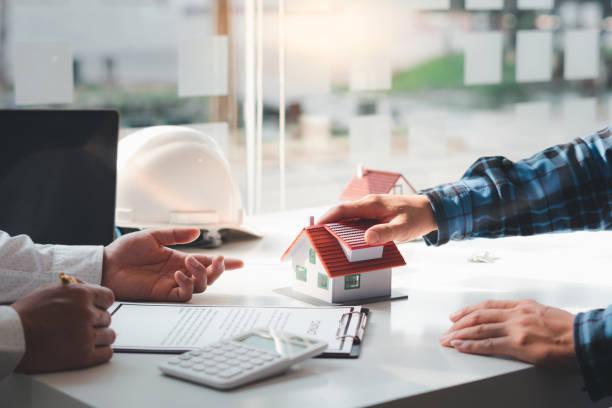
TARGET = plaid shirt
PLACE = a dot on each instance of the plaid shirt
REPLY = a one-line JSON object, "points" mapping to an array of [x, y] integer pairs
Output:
{"points": [[564, 188]]}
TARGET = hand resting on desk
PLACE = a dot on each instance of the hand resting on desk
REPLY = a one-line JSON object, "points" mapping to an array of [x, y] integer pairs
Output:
{"points": [[140, 266], [523, 329]]}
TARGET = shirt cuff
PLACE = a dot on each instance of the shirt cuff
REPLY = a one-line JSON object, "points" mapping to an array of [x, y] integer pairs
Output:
{"points": [[452, 209], [83, 262], [12, 341], [593, 352]]}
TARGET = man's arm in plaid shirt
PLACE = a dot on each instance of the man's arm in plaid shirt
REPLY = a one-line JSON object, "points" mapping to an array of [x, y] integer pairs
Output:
{"points": [[564, 188]]}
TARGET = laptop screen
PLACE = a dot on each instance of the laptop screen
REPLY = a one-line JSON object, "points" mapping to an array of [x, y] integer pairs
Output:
{"points": [[58, 175]]}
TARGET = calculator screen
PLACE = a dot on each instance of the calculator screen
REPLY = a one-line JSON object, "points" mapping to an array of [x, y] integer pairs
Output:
{"points": [[270, 343]]}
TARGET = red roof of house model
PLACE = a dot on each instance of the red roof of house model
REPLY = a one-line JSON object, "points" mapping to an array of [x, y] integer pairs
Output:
{"points": [[333, 258], [351, 234], [372, 182]]}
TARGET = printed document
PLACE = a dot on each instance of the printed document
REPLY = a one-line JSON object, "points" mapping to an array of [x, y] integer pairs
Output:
{"points": [[176, 328]]}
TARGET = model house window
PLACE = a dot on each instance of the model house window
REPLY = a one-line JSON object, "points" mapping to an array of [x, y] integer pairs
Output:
{"points": [[300, 273], [352, 282], [312, 256], [398, 189], [323, 281]]}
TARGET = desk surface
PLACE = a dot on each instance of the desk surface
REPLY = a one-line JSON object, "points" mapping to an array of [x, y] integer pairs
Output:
{"points": [[401, 358]]}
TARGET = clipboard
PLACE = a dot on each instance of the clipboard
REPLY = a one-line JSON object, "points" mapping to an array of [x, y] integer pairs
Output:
{"points": [[146, 327], [357, 334]]}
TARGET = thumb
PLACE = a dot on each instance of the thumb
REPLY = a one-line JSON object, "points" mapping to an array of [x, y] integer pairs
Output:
{"points": [[382, 233], [175, 236]]}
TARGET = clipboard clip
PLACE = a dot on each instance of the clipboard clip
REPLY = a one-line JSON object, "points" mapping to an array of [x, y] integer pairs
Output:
{"points": [[359, 331]]}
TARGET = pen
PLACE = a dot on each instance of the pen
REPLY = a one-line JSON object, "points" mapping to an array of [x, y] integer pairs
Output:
{"points": [[66, 279]]}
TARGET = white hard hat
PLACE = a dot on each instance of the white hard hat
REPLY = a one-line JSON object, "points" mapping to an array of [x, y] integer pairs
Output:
{"points": [[173, 176]]}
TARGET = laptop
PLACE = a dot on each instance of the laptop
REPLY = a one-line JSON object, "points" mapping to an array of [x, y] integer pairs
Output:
{"points": [[58, 175]]}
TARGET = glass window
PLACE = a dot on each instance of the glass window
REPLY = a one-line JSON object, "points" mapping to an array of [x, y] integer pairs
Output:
{"points": [[312, 256], [323, 281], [352, 282], [300, 273], [401, 86]]}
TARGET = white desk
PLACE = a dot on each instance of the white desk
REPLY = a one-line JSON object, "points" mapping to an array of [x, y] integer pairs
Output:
{"points": [[401, 359]]}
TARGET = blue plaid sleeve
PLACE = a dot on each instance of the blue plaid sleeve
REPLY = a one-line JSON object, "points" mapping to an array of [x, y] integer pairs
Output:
{"points": [[593, 345], [564, 188]]}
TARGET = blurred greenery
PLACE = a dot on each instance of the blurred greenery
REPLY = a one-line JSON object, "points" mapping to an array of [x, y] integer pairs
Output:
{"points": [[446, 73]]}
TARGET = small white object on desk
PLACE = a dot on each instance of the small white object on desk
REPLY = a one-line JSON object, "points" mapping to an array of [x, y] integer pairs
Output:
{"points": [[248, 357]]}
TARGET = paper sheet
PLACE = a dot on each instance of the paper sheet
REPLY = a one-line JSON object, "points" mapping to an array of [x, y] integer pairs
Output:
{"points": [[534, 55], [528, 113], [429, 4], [581, 54], [483, 58], [43, 72], [484, 4], [536, 4], [169, 327], [580, 117], [202, 69], [370, 138]]}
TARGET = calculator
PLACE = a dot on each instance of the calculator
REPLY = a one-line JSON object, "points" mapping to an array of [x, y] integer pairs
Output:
{"points": [[248, 357]]}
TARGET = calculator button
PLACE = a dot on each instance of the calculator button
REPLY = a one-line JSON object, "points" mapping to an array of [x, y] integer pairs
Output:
{"points": [[231, 355], [256, 361], [195, 352], [174, 361], [243, 358], [232, 362], [253, 354], [222, 366], [198, 367], [241, 350], [211, 370], [232, 372], [184, 357], [218, 351], [246, 366], [186, 364], [267, 358], [197, 360]]}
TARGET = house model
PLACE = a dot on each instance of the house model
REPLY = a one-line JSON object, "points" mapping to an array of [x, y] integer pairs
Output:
{"points": [[368, 181], [333, 263]]}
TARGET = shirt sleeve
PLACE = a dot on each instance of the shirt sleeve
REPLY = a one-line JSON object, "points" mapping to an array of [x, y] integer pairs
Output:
{"points": [[24, 265], [12, 340], [593, 345], [563, 188]]}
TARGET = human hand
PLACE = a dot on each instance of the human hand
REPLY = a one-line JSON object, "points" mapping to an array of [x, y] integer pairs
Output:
{"points": [[139, 266], [401, 218], [523, 329], [65, 327]]}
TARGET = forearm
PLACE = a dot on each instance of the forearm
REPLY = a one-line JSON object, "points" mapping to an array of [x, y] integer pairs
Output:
{"points": [[564, 188], [24, 266], [593, 344]]}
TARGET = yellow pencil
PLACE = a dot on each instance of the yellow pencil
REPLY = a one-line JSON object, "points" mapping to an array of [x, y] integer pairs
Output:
{"points": [[66, 279]]}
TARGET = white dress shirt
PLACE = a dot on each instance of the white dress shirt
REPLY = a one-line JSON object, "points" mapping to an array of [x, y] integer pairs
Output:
{"points": [[24, 266]]}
